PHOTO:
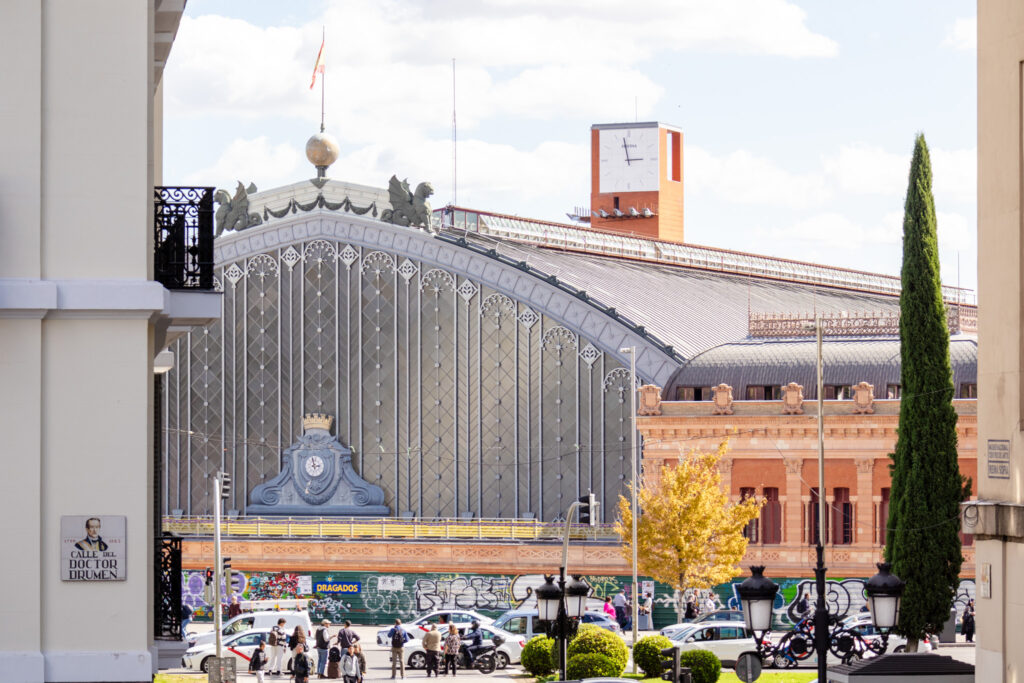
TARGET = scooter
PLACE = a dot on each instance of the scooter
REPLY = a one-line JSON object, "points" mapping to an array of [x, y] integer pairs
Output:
{"points": [[485, 661]]}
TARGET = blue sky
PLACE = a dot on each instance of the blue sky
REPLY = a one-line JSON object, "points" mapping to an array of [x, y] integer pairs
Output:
{"points": [[798, 117]]}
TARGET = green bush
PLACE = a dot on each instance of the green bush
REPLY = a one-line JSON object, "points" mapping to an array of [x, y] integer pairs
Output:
{"points": [[539, 655], [704, 665], [647, 654], [593, 665], [595, 640]]}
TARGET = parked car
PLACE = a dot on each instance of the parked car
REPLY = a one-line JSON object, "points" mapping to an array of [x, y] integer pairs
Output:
{"points": [[255, 620], [733, 615], [507, 653], [523, 622], [419, 626], [240, 646], [726, 639]]}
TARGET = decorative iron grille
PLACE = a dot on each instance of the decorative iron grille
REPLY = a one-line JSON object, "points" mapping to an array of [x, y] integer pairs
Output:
{"points": [[183, 226], [167, 588]]}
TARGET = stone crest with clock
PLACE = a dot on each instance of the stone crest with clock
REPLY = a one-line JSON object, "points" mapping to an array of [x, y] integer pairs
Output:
{"points": [[317, 478]]}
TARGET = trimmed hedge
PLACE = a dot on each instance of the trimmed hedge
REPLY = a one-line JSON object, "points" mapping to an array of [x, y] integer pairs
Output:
{"points": [[594, 665], [704, 665], [647, 654], [595, 640], [539, 655]]}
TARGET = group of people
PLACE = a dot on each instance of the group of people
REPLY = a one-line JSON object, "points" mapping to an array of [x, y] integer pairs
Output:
{"points": [[339, 656], [620, 608], [441, 646]]}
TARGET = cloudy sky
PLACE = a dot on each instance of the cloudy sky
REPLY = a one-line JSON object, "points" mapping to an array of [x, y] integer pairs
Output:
{"points": [[798, 117]]}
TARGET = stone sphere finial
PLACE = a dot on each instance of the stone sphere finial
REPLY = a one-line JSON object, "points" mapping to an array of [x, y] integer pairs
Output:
{"points": [[322, 151]]}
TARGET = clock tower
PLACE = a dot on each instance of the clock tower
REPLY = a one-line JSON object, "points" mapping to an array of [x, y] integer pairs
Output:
{"points": [[636, 179]]}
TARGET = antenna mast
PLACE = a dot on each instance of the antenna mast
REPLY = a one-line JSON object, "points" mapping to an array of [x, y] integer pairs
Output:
{"points": [[455, 167], [323, 77]]}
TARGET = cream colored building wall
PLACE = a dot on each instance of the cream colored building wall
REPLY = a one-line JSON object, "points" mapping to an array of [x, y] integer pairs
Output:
{"points": [[76, 334], [1000, 56]]}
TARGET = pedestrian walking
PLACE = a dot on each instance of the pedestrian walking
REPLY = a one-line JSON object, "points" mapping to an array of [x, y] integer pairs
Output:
{"points": [[302, 663], [234, 609], [346, 636], [452, 644], [277, 641], [690, 612], [298, 637], [362, 660], [186, 619], [619, 602], [709, 603], [323, 643], [334, 660], [258, 661], [803, 605], [350, 665], [967, 624], [432, 646], [398, 638], [608, 609]]}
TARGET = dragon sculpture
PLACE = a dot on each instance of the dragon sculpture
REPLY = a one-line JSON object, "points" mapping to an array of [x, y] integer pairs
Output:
{"points": [[408, 208], [233, 212]]}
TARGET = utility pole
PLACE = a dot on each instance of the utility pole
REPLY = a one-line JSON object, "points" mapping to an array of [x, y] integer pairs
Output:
{"points": [[821, 635], [218, 566]]}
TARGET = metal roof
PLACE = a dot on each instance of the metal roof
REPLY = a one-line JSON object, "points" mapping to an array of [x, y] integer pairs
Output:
{"points": [[690, 308], [776, 362]]}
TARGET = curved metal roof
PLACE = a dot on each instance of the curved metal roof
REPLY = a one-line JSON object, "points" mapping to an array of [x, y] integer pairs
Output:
{"points": [[776, 362], [690, 308]]}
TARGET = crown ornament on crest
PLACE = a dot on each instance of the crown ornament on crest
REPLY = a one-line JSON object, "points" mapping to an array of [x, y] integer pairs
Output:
{"points": [[317, 421]]}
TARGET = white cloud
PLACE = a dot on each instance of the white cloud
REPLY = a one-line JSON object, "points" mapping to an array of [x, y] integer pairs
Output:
{"points": [[963, 34], [835, 230], [744, 178], [861, 169], [255, 161], [954, 175]]}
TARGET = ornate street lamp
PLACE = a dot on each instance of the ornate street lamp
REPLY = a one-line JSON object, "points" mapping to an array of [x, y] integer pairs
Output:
{"points": [[576, 597], [549, 599], [757, 596], [885, 591]]}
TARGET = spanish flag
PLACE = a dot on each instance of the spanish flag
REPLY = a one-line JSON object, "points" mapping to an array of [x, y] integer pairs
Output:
{"points": [[318, 68]]}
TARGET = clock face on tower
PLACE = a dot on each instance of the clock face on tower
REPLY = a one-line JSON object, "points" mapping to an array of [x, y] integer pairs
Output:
{"points": [[628, 159]]}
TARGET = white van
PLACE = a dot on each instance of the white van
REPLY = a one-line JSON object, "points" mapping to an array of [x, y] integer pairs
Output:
{"points": [[251, 620]]}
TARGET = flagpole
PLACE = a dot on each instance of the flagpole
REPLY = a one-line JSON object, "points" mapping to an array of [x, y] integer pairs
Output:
{"points": [[323, 76]]}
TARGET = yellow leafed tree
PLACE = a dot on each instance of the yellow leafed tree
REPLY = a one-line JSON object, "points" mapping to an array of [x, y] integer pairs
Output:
{"points": [[689, 535]]}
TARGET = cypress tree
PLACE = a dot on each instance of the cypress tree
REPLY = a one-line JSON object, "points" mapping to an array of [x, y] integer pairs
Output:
{"points": [[922, 542]]}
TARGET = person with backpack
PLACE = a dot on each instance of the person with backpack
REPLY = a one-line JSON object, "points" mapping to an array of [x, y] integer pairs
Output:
{"points": [[186, 618], [350, 665], [323, 642], [277, 643], [258, 661], [334, 660], [398, 638], [302, 663]]}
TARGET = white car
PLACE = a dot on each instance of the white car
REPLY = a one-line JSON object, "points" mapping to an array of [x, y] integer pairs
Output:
{"points": [[509, 652], [726, 639], [418, 627], [241, 646]]}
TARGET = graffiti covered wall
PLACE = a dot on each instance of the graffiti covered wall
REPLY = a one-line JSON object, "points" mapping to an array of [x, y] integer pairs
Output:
{"points": [[384, 597]]}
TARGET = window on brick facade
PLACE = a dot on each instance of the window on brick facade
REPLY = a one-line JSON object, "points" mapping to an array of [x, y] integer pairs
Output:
{"points": [[969, 390], [892, 390], [883, 517], [838, 392], [750, 530], [813, 528], [694, 394], [842, 517], [764, 392], [771, 517]]}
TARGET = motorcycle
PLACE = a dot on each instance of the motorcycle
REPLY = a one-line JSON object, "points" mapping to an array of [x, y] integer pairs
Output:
{"points": [[485, 662]]}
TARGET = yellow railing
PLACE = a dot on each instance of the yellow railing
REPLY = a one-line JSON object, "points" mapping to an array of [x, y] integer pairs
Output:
{"points": [[386, 528]]}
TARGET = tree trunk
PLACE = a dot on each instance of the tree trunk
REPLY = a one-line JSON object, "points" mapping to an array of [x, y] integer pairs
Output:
{"points": [[912, 644], [680, 608]]}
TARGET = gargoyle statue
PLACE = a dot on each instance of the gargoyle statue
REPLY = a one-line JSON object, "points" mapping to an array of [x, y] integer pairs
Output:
{"points": [[233, 212], [408, 208]]}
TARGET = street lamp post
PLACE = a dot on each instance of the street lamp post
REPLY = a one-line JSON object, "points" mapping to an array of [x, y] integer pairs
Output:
{"points": [[562, 605], [821, 609], [631, 350]]}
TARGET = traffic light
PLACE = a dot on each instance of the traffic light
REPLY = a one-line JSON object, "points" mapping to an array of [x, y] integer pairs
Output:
{"points": [[225, 485], [588, 509], [209, 576], [670, 668], [226, 561]]}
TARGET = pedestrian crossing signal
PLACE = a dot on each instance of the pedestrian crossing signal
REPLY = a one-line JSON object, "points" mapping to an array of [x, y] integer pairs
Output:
{"points": [[670, 665]]}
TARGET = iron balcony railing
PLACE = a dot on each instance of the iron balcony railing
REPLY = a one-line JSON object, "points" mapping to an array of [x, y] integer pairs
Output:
{"points": [[387, 528], [183, 232]]}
